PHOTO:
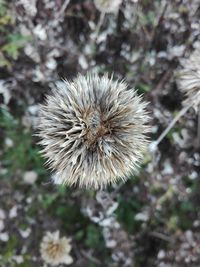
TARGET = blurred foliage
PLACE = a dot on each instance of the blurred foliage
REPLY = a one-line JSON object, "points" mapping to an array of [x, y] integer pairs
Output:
{"points": [[13, 45], [9, 251], [11, 42], [10, 247], [143, 88], [23, 154], [5, 15], [93, 236], [126, 212]]}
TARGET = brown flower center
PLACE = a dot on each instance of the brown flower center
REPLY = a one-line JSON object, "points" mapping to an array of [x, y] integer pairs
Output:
{"points": [[55, 249], [96, 128]]}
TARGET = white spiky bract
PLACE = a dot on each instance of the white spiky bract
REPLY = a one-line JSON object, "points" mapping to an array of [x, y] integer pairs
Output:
{"points": [[189, 79], [108, 6], [55, 249], [93, 131]]}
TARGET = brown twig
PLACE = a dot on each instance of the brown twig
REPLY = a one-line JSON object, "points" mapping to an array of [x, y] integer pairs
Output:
{"points": [[62, 10], [165, 78], [159, 21], [171, 125], [161, 236], [90, 257]]}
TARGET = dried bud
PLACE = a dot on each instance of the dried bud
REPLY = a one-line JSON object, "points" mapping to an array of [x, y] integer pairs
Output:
{"points": [[189, 79]]}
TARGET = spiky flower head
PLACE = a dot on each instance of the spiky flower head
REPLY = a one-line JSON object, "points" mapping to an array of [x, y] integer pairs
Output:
{"points": [[55, 250], [189, 79], [93, 131], [108, 6]]}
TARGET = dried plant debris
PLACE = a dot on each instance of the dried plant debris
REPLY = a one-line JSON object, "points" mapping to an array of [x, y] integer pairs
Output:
{"points": [[116, 238], [186, 252]]}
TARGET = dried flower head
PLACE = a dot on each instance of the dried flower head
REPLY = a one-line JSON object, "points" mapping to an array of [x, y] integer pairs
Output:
{"points": [[189, 79], [55, 250], [108, 6], [93, 131]]}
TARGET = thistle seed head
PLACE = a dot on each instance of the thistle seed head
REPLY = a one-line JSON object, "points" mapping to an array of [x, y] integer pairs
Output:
{"points": [[189, 79], [93, 131]]}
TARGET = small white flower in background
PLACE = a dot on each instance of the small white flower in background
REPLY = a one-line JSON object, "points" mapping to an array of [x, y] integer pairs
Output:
{"points": [[13, 212], [32, 52], [2, 218], [2, 214], [51, 64], [161, 254], [18, 259], [40, 32], [29, 6], [108, 6], [25, 233], [4, 237], [33, 110], [142, 216], [189, 79], [9, 142], [55, 249], [5, 91], [30, 177]]}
